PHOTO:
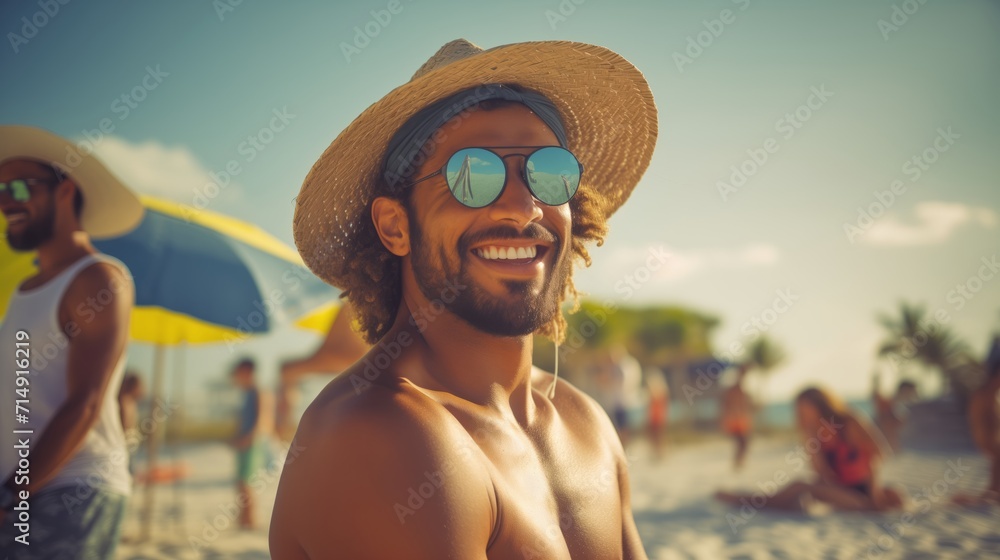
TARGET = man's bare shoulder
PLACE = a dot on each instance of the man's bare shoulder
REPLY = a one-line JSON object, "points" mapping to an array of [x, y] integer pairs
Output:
{"points": [[378, 469], [579, 411]]}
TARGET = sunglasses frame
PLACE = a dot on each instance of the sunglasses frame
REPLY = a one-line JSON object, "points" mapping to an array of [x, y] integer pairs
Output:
{"points": [[503, 159], [5, 187]]}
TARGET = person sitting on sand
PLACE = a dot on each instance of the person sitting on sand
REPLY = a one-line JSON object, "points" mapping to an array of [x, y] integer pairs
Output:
{"points": [[845, 454], [737, 416], [984, 422]]}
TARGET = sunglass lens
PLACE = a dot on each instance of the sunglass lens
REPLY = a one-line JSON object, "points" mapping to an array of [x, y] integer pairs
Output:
{"points": [[19, 190], [553, 175], [475, 176]]}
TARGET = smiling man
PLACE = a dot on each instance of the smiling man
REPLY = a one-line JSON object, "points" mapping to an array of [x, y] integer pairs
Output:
{"points": [[450, 213], [64, 476]]}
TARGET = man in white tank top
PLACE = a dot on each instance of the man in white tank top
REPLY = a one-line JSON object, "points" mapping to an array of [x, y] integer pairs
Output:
{"points": [[63, 461]]}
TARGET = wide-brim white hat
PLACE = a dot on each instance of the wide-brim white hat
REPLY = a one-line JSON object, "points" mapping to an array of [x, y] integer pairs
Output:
{"points": [[604, 101], [110, 208]]}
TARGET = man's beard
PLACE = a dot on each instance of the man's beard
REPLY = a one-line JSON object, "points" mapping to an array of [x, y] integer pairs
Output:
{"points": [[475, 305], [34, 234]]}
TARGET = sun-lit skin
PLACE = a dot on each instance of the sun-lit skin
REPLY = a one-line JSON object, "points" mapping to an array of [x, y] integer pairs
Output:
{"points": [[522, 474], [47, 223], [29, 223], [449, 221], [515, 220]]}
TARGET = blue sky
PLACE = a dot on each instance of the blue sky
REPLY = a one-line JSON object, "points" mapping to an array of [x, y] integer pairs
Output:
{"points": [[838, 103]]}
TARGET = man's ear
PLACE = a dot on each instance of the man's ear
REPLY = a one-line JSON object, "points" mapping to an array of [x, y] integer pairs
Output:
{"points": [[65, 195], [392, 224]]}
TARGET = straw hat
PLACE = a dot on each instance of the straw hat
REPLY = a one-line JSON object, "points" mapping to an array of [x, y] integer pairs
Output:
{"points": [[604, 101], [110, 209]]}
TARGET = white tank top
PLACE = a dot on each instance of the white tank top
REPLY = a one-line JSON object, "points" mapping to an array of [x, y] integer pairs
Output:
{"points": [[102, 460]]}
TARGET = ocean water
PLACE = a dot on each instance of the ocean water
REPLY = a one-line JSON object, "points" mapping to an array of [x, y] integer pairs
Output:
{"points": [[775, 415]]}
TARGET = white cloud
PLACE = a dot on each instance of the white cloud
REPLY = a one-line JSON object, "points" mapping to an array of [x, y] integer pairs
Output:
{"points": [[149, 167], [683, 264], [933, 222]]}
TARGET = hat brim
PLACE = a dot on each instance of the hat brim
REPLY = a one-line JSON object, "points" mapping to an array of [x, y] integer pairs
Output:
{"points": [[110, 209], [604, 101]]}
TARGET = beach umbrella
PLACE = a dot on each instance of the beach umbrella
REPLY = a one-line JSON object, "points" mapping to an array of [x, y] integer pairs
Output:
{"points": [[200, 277], [15, 267], [203, 277]]}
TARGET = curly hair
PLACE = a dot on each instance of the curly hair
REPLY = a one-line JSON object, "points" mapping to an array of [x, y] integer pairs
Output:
{"points": [[373, 279]]}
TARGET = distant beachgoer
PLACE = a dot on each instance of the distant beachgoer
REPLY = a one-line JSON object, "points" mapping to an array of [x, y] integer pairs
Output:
{"points": [[250, 440], [659, 409], [891, 413], [737, 410], [984, 421], [626, 376], [129, 395], [341, 348], [845, 454]]}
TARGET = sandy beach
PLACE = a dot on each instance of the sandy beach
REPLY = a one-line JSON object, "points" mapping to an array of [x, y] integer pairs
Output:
{"points": [[673, 508]]}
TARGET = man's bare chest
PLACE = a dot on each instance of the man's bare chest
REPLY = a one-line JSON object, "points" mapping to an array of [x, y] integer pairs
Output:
{"points": [[557, 495]]}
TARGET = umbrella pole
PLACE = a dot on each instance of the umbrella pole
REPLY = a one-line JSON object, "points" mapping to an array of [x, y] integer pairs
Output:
{"points": [[176, 424], [152, 445]]}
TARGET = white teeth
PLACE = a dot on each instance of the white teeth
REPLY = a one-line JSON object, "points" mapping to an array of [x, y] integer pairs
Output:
{"points": [[507, 253]]}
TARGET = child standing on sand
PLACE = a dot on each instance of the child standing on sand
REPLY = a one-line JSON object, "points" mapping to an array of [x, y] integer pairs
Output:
{"points": [[737, 416]]}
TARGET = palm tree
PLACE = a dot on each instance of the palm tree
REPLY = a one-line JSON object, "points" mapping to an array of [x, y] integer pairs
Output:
{"points": [[911, 337], [763, 355]]}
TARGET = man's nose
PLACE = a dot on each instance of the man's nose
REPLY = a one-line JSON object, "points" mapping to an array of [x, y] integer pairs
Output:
{"points": [[516, 203]]}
